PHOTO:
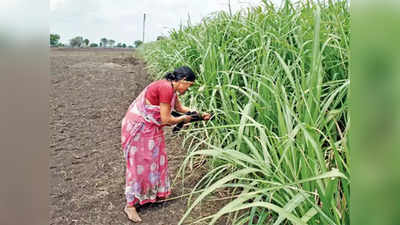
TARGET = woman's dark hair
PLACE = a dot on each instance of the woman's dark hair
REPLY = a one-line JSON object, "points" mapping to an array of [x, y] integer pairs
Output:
{"points": [[180, 73]]}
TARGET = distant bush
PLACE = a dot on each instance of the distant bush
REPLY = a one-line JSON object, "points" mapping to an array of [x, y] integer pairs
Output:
{"points": [[54, 38], [138, 43]]}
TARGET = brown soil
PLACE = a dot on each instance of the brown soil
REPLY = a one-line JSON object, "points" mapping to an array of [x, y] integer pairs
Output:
{"points": [[90, 92]]}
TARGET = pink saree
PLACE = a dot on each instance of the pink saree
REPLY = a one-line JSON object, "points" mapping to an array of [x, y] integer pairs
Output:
{"points": [[143, 144]]}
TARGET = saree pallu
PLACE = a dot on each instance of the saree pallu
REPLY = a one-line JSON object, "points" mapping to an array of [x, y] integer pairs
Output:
{"points": [[143, 144]]}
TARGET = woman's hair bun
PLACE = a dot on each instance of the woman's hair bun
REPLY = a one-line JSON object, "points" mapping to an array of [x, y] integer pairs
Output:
{"points": [[183, 72], [170, 76]]}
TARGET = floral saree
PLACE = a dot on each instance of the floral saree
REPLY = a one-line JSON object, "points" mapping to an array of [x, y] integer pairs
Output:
{"points": [[143, 145]]}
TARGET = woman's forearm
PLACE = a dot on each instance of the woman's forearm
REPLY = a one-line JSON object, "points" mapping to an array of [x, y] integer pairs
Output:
{"points": [[173, 120]]}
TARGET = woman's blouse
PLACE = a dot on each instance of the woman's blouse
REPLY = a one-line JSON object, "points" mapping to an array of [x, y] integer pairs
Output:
{"points": [[160, 91]]}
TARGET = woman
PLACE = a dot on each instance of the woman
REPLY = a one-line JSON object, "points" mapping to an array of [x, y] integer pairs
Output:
{"points": [[143, 139]]}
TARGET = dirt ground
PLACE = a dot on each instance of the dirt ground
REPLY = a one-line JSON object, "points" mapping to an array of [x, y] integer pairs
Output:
{"points": [[90, 92]]}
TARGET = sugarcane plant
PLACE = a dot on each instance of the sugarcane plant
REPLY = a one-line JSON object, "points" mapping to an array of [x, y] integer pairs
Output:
{"points": [[277, 80]]}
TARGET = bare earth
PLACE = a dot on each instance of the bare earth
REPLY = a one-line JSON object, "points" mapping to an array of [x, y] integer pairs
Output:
{"points": [[89, 94]]}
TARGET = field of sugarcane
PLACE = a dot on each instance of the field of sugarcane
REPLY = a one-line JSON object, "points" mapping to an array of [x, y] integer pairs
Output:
{"points": [[276, 80]]}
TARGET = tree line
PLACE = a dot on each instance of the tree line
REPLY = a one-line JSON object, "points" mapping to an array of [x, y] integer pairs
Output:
{"points": [[80, 42]]}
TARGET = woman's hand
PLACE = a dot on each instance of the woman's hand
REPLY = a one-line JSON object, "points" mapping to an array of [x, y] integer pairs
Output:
{"points": [[206, 116], [186, 118]]}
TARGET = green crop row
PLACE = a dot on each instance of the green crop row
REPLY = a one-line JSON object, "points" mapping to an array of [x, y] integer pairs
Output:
{"points": [[277, 81]]}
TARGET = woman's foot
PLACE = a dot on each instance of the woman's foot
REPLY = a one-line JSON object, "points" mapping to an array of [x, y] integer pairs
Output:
{"points": [[132, 214]]}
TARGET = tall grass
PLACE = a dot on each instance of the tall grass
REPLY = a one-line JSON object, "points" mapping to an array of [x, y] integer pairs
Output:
{"points": [[277, 80]]}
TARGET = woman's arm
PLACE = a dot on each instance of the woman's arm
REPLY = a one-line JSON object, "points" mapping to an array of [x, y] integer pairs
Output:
{"points": [[180, 108], [167, 118]]}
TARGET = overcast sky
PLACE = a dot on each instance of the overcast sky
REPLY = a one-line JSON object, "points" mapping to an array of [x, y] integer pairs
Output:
{"points": [[121, 20]]}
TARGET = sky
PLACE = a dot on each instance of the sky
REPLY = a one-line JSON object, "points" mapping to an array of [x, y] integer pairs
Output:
{"points": [[122, 20]]}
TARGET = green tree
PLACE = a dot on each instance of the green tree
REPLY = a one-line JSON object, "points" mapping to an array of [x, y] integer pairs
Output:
{"points": [[138, 43], [94, 45], [104, 42], [124, 45], [54, 38], [86, 41], [111, 43], [76, 41]]}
